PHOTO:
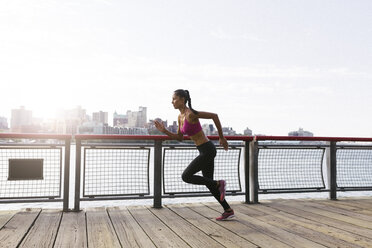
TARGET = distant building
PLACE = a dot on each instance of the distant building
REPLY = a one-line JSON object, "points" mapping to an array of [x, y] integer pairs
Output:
{"points": [[3, 123], [208, 129], [174, 127], [22, 122], [248, 132], [131, 119], [125, 130], [137, 118], [69, 121], [120, 120], [301, 133], [228, 131], [100, 117]]}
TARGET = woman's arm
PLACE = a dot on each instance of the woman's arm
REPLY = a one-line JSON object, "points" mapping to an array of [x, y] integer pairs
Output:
{"points": [[177, 136], [216, 120]]}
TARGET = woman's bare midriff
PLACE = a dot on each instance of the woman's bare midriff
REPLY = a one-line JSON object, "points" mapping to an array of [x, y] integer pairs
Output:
{"points": [[199, 138]]}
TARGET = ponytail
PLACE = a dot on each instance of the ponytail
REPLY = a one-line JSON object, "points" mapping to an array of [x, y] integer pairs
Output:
{"points": [[186, 94]]}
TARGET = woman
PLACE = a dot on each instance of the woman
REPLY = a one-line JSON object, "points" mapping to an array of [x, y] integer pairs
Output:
{"points": [[188, 124]]}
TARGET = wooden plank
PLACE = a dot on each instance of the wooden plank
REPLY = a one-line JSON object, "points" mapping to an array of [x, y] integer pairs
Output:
{"points": [[15, 230], [72, 231], [44, 230], [188, 232], [273, 231], [159, 233], [256, 237], [210, 228], [356, 207], [347, 216], [305, 212], [128, 230], [357, 203], [5, 216], [321, 233], [100, 231]]}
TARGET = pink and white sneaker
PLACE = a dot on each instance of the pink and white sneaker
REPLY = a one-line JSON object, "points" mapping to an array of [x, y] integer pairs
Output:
{"points": [[222, 189], [226, 215]]}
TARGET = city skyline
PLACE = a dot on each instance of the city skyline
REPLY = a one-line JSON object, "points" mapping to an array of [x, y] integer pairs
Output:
{"points": [[272, 66], [22, 120]]}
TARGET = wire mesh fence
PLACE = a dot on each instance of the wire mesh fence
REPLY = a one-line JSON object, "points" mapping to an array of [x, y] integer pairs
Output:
{"points": [[226, 166], [116, 171], [290, 168], [49, 186], [354, 168]]}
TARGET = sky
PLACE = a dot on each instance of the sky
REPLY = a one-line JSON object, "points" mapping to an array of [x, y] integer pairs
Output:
{"points": [[272, 66]]}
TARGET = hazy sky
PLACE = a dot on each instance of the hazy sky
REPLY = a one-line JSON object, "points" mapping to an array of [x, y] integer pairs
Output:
{"points": [[272, 66]]}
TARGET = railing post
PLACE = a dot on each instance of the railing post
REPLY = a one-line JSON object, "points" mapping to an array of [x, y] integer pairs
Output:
{"points": [[66, 186], [157, 173], [253, 164], [77, 174], [246, 171], [332, 171]]}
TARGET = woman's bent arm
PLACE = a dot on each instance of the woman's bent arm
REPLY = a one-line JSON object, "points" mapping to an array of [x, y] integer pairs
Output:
{"points": [[177, 136]]}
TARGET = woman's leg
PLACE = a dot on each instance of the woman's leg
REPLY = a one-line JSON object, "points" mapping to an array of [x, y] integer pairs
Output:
{"points": [[208, 171], [195, 166]]}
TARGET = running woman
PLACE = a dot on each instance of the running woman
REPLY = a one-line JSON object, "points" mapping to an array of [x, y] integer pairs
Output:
{"points": [[188, 124]]}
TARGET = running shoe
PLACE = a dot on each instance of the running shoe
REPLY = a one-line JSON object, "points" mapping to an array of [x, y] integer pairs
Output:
{"points": [[226, 215], [222, 189]]}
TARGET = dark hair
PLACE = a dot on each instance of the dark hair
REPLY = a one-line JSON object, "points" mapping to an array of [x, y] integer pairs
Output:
{"points": [[185, 94]]}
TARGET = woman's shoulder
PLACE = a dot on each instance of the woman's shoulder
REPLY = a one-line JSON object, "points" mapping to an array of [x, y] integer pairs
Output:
{"points": [[191, 116]]}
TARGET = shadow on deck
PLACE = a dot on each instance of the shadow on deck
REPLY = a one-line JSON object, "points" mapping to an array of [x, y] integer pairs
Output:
{"points": [[278, 223]]}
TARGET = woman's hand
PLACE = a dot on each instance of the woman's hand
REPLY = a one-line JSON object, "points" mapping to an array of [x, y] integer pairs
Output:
{"points": [[224, 144], [160, 126]]}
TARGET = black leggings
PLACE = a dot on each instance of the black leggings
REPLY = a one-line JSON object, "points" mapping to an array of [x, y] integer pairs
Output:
{"points": [[205, 163]]}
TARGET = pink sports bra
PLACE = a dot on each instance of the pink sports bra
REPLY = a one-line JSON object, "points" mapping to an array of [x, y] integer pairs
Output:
{"points": [[190, 129]]}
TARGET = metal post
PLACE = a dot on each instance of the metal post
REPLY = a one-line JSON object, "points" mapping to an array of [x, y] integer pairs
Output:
{"points": [[332, 172], [66, 186], [77, 175], [157, 173], [253, 164], [246, 171]]}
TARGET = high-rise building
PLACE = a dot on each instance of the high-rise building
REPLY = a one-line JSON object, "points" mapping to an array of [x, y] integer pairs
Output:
{"points": [[21, 119], [208, 129], [100, 117], [137, 118], [3, 123], [70, 120]]}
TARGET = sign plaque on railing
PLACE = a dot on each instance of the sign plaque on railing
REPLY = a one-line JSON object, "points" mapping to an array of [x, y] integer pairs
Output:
{"points": [[26, 169]]}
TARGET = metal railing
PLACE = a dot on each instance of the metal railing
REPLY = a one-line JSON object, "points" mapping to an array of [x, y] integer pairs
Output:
{"points": [[113, 167], [277, 167], [32, 168]]}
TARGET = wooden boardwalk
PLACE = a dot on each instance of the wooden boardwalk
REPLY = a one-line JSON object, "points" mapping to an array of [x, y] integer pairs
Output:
{"points": [[277, 223]]}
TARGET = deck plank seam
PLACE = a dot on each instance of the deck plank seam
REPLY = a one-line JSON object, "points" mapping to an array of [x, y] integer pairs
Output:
{"points": [[220, 224], [198, 227], [257, 230], [141, 227], [296, 222], [149, 208], [113, 226], [29, 228], [320, 216]]}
